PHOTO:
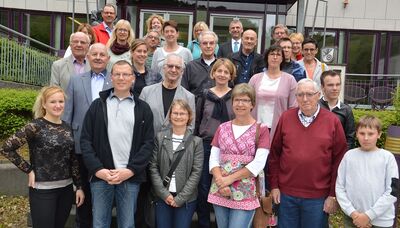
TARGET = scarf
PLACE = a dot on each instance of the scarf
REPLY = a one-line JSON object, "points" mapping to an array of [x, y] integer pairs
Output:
{"points": [[119, 49], [220, 112]]}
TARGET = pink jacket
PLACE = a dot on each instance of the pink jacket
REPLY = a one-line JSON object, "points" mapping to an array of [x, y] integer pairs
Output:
{"points": [[284, 100]]}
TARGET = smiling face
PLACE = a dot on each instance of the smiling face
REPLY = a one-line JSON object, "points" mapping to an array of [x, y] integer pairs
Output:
{"points": [[79, 44], [236, 30], [173, 69], [179, 116], [153, 39], [108, 15], [331, 87], [122, 78], [98, 57], [222, 75], [309, 51], [279, 33], [296, 46], [54, 105], [170, 34], [156, 24], [241, 105], [249, 40], [122, 33], [139, 55]]}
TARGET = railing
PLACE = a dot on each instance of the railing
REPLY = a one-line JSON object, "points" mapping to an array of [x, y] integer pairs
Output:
{"points": [[21, 63], [375, 91]]}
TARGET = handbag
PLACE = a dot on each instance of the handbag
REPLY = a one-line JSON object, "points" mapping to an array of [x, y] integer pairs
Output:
{"points": [[264, 216]]}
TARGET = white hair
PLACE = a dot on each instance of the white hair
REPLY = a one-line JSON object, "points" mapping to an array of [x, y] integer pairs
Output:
{"points": [[307, 80]]}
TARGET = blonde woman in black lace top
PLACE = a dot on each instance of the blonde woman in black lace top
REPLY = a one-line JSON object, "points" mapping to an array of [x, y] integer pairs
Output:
{"points": [[52, 168]]}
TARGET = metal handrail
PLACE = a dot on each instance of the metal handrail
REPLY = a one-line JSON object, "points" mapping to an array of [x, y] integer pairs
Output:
{"points": [[29, 38]]}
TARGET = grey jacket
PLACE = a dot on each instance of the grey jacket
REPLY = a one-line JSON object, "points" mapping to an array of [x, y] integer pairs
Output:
{"points": [[187, 173]]}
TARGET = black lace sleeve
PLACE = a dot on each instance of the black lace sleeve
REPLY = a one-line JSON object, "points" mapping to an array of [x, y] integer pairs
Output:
{"points": [[12, 144], [76, 176]]}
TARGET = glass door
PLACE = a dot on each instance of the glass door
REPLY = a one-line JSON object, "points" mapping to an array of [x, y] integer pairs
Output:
{"points": [[184, 20], [219, 23]]}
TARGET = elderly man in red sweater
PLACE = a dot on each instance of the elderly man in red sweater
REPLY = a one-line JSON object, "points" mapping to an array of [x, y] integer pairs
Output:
{"points": [[306, 150]]}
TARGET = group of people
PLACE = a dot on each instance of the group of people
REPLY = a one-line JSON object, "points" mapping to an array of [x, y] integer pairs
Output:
{"points": [[163, 131]]}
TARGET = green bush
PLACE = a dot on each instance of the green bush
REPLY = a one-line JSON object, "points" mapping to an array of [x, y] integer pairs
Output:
{"points": [[15, 109], [387, 117]]}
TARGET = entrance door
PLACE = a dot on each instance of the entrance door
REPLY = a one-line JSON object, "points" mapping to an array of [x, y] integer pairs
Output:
{"points": [[184, 19], [219, 23]]}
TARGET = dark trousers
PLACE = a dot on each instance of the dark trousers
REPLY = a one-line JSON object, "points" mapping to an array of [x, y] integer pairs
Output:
{"points": [[203, 207], [50, 208], [83, 218]]}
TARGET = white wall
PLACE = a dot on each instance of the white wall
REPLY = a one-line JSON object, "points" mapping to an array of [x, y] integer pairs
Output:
{"points": [[359, 14], [50, 5]]}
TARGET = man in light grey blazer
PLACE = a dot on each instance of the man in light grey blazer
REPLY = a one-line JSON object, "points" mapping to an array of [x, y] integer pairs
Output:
{"points": [[81, 91], [160, 96], [63, 69]]}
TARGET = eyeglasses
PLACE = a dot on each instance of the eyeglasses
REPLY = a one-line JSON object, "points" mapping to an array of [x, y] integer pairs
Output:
{"points": [[79, 42], [243, 101], [179, 113], [152, 37], [309, 49], [171, 66], [279, 33], [124, 75], [122, 30], [205, 43], [308, 95]]}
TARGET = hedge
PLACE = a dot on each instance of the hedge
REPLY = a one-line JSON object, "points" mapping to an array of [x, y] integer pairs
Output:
{"points": [[15, 109]]}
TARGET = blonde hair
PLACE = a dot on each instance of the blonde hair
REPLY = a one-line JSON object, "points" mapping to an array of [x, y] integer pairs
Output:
{"points": [[183, 104], [150, 19], [200, 24], [120, 24], [44, 94], [296, 36], [224, 62]]}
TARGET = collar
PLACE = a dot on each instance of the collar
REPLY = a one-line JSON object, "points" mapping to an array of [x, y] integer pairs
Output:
{"points": [[204, 61], [239, 41], [102, 73], [106, 27], [337, 104], [76, 61], [246, 56], [301, 115], [111, 96]]}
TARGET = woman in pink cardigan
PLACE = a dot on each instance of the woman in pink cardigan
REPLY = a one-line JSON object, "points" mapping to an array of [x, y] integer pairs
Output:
{"points": [[275, 90]]}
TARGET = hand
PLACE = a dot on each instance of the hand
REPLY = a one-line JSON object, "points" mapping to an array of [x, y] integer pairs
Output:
{"points": [[79, 197], [362, 220], [276, 195], [120, 175], [225, 191], [170, 201], [223, 181], [31, 179], [330, 205], [104, 174]]}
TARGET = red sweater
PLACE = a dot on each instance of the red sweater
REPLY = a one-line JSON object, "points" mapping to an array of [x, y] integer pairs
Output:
{"points": [[101, 34], [304, 160]]}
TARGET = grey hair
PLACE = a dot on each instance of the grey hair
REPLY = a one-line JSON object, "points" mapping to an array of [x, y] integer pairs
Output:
{"points": [[208, 32], [307, 80], [177, 56], [98, 45], [153, 30], [73, 34]]}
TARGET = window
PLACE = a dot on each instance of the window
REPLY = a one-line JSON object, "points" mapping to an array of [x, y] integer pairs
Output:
{"points": [[394, 55], [361, 53]]}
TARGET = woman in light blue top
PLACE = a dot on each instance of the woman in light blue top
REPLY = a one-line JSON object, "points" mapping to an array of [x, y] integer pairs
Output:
{"points": [[194, 45]]}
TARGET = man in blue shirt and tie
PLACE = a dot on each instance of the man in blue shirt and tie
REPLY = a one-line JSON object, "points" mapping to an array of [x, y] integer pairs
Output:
{"points": [[233, 45]]}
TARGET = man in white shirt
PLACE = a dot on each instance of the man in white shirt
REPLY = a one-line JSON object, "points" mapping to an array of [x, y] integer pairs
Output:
{"points": [[233, 45]]}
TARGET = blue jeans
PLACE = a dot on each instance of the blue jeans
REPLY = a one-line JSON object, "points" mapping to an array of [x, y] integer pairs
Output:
{"points": [[233, 218], [174, 217], [300, 212], [203, 207], [125, 199]]}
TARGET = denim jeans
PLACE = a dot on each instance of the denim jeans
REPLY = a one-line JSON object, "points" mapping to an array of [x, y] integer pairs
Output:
{"points": [[125, 199], [204, 207], [300, 212], [174, 217], [233, 218]]}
